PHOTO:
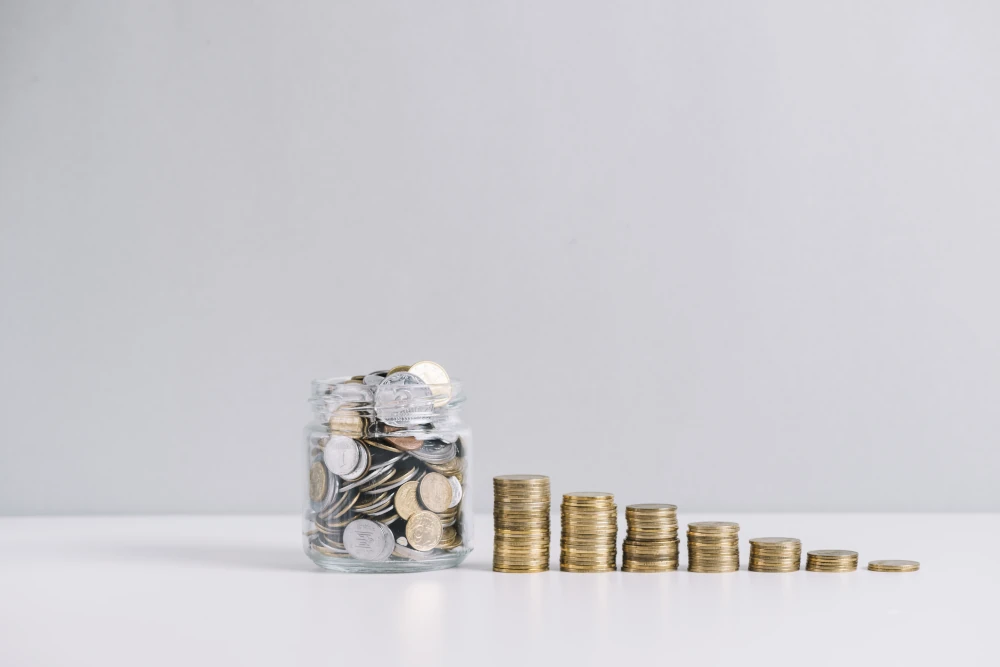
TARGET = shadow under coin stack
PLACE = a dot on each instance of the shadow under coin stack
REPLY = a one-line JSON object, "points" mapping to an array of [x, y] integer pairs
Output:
{"points": [[775, 554], [832, 560], [521, 506], [713, 546], [651, 542], [589, 540]]}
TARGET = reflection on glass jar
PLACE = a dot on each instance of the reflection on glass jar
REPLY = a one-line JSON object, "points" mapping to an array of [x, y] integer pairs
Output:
{"points": [[388, 469]]}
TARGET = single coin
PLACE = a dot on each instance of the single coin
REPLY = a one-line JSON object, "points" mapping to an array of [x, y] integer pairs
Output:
{"points": [[402, 399], [456, 492], [398, 369], [833, 553], [539, 479], [776, 541], [390, 543], [713, 526], [652, 507], [318, 481], [423, 530], [365, 540], [406, 503], [437, 378], [407, 444], [341, 454], [374, 379], [361, 469], [435, 492], [893, 566]]}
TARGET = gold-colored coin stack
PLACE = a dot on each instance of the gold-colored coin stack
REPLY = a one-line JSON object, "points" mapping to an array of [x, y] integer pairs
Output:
{"points": [[521, 505], [650, 544], [893, 566], [589, 540], [831, 560], [713, 546], [775, 554]]}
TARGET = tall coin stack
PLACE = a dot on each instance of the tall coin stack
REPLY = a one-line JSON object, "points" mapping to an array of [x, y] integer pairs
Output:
{"points": [[651, 542], [832, 560], [589, 532], [775, 554], [713, 546], [521, 505]]}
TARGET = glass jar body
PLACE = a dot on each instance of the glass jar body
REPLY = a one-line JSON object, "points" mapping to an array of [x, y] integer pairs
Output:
{"points": [[388, 477]]}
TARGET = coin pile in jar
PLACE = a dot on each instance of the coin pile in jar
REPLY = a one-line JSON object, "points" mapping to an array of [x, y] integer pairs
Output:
{"points": [[775, 554], [589, 532], [893, 566], [832, 560], [651, 543], [521, 505], [713, 546], [386, 475]]}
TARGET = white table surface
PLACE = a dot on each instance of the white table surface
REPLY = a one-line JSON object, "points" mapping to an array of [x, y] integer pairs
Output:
{"points": [[238, 591]]}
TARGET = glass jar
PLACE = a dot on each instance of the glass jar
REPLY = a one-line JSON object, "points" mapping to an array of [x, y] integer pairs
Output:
{"points": [[389, 466]]}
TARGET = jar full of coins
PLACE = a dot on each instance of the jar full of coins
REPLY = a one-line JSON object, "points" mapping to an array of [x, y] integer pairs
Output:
{"points": [[388, 470]]}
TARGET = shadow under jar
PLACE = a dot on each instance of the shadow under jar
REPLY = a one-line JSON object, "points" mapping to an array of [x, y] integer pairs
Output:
{"points": [[389, 466]]}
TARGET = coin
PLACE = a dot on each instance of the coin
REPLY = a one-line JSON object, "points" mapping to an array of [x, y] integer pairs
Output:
{"points": [[456, 492], [893, 566], [435, 492], [423, 530], [398, 369], [437, 378], [346, 422], [406, 503], [341, 454], [407, 444], [318, 481], [361, 469], [402, 399], [366, 540]]}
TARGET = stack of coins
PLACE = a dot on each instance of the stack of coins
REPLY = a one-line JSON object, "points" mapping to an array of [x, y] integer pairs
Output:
{"points": [[589, 532], [775, 554], [713, 546], [521, 506], [651, 542], [832, 560], [893, 566]]}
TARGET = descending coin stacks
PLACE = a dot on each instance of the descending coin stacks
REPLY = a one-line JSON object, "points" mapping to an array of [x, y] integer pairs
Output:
{"points": [[589, 532], [832, 560], [521, 507], [387, 456], [775, 554], [650, 544], [713, 546], [893, 566]]}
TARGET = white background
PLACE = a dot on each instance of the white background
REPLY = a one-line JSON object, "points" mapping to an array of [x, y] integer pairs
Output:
{"points": [[725, 255]]}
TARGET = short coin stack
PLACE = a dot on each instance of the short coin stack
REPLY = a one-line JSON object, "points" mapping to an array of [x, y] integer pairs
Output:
{"points": [[651, 542], [893, 566], [775, 554], [589, 532], [713, 546], [521, 506], [832, 560]]}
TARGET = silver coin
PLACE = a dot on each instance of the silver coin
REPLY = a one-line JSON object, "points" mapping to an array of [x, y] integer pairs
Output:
{"points": [[366, 540], [435, 451], [395, 482], [390, 544], [403, 399], [373, 474], [341, 454], [411, 554], [401, 541], [360, 468], [456, 491], [374, 379]]}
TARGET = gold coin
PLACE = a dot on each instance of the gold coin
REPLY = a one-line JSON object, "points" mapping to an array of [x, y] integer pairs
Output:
{"points": [[435, 492], [893, 566], [318, 480], [397, 369], [346, 422], [407, 444], [437, 378], [423, 530], [406, 502]]}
